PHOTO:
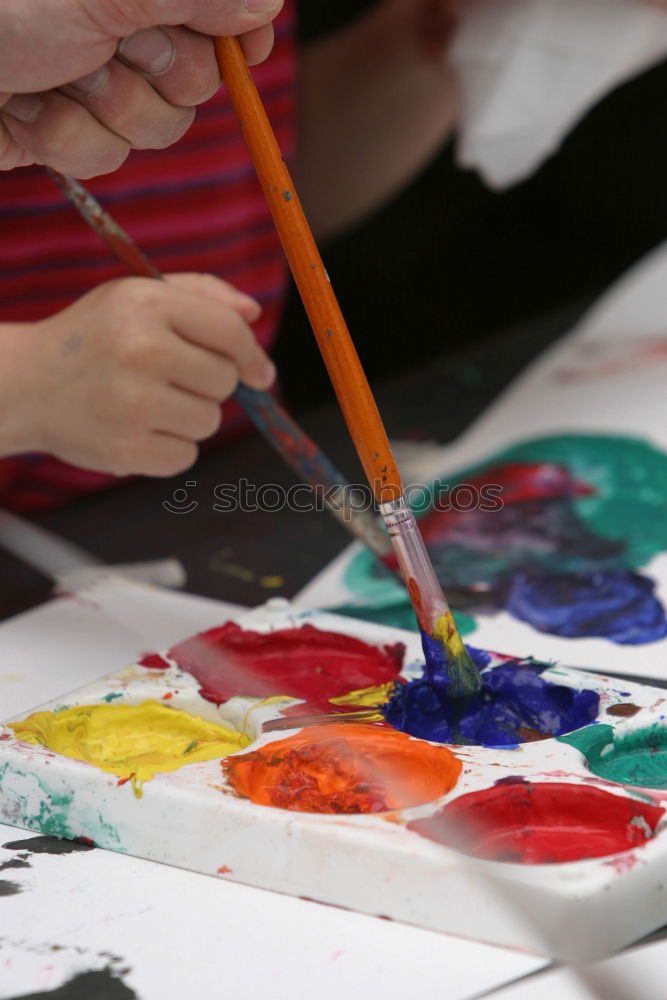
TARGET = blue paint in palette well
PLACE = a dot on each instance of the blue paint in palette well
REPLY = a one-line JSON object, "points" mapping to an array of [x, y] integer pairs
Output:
{"points": [[516, 704]]}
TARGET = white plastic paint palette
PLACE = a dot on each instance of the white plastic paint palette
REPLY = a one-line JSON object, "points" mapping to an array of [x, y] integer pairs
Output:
{"points": [[392, 863]]}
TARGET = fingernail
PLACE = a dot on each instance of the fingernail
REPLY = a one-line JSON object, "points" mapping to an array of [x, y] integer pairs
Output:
{"points": [[151, 51], [268, 374], [24, 107], [253, 304], [262, 6], [91, 83]]}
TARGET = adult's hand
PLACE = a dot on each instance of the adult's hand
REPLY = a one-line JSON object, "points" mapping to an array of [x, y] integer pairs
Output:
{"points": [[82, 83]]}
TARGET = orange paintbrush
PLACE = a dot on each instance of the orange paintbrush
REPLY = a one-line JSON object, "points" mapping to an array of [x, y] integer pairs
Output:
{"points": [[448, 663]]}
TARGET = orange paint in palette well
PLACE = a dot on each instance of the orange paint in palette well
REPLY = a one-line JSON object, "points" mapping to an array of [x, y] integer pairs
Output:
{"points": [[347, 768]]}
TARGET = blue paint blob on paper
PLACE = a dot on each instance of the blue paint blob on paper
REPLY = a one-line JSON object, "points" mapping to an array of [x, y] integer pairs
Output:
{"points": [[516, 704], [612, 604]]}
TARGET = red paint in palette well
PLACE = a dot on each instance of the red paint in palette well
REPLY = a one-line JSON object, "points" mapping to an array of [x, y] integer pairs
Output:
{"points": [[305, 663], [543, 823]]}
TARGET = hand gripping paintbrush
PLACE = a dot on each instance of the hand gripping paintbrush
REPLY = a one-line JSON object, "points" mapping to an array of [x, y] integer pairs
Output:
{"points": [[448, 663], [294, 446]]}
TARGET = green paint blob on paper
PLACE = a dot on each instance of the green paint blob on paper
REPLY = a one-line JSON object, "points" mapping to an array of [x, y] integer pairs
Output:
{"points": [[638, 757], [609, 518]]}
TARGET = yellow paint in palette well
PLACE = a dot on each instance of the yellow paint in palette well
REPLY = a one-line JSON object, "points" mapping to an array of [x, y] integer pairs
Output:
{"points": [[133, 741]]}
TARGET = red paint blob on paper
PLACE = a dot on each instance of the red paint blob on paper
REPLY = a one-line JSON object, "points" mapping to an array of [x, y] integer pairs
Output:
{"points": [[167, 695], [542, 823], [305, 663], [224, 870], [344, 768]]}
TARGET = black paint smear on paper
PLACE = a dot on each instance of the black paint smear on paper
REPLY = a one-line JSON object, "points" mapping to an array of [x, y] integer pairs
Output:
{"points": [[98, 985], [8, 888], [47, 845], [15, 863]]}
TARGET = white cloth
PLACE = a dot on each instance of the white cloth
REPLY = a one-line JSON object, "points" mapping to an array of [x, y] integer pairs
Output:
{"points": [[528, 70]]}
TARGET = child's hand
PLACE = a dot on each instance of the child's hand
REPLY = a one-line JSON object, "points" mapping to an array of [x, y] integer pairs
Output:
{"points": [[83, 83], [129, 378]]}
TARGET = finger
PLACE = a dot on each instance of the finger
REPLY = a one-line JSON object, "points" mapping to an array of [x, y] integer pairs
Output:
{"points": [[12, 153], [234, 17], [184, 415], [179, 63], [60, 132], [257, 44], [126, 103], [165, 455], [219, 290], [216, 327], [196, 370]]}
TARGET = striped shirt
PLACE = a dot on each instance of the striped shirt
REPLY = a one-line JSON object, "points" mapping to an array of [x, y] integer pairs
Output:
{"points": [[196, 206]]}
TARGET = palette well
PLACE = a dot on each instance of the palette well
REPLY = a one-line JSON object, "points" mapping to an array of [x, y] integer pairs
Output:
{"points": [[554, 844]]}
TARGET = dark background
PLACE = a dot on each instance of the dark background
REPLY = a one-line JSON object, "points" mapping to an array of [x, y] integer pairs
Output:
{"points": [[450, 263]]}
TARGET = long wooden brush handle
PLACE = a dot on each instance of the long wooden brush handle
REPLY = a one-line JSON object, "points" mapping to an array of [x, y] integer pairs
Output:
{"points": [[341, 359]]}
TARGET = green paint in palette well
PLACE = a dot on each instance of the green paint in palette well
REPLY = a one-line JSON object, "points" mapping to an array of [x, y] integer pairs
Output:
{"points": [[637, 757], [628, 505]]}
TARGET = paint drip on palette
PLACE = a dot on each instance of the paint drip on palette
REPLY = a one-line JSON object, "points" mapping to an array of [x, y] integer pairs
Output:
{"points": [[134, 742], [558, 545], [344, 769], [304, 663]]}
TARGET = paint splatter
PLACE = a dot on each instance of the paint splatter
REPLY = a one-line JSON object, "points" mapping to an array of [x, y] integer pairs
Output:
{"points": [[102, 984], [579, 516], [345, 768], [131, 741], [305, 663], [638, 757], [541, 823], [624, 709], [47, 845], [516, 704], [14, 863], [8, 888], [154, 661]]}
